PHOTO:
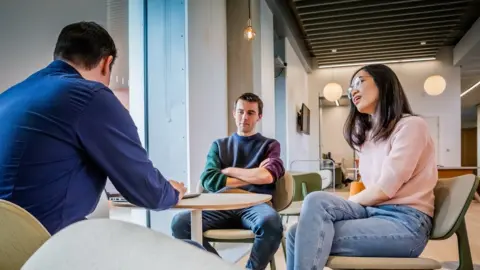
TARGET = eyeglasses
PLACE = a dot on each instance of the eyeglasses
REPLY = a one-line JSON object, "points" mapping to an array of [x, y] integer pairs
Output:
{"points": [[357, 81]]}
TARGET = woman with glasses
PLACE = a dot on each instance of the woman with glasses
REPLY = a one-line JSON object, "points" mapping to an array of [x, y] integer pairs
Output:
{"points": [[392, 216]]}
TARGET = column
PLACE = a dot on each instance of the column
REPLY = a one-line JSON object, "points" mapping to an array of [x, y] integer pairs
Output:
{"points": [[166, 87], [477, 195], [166, 94], [208, 112], [251, 63], [478, 139]]}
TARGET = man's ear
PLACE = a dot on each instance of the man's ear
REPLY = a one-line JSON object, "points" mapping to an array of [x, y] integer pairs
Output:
{"points": [[260, 117], [106, 62]]}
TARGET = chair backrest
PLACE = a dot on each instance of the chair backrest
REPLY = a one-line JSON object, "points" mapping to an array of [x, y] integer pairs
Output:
{"points": [[452, 199], [306, 182], [113, 244], [327, 177], [284, 191], [21, 234]]}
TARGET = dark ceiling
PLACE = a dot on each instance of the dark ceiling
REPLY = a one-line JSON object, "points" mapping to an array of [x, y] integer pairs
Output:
{"points": [[381, 30]]}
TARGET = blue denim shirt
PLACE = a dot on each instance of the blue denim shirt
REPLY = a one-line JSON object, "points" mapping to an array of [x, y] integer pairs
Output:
{"points": [[61, 136]]}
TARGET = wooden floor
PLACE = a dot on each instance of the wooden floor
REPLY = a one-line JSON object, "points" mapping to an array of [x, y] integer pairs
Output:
{"points": [[442, 251]]}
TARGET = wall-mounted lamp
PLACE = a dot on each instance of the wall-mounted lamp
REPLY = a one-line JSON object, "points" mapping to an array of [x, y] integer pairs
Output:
{"points": [[332, 92], [248, 32], [435, 85]]}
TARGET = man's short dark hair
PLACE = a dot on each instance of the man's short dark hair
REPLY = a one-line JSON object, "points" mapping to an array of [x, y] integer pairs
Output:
{"points": [[251, 97], [84, 44]]}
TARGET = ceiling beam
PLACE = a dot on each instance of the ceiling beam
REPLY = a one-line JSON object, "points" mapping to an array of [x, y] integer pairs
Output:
{"points": [[374, 59], [374, 56], [431, 5], [377, 53], [375, 28], [377, 44], [286, 25], [372, 4], [361, 49], [377, 39], [417, 30], [316, 3], [382, 16], [469, 43], [410, 20]]}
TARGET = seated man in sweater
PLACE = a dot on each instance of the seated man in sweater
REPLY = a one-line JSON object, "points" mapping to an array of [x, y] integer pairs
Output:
{"points": [[244, 162]]}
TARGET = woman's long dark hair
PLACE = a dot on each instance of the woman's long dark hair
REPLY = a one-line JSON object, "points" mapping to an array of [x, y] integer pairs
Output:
{"points": [[391, 107]]}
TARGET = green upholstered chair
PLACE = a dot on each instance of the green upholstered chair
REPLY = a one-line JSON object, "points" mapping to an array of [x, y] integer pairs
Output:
{"points": [[304, 183]]}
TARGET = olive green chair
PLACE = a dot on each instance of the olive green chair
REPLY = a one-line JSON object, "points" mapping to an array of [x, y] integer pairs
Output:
{"points": [[304, 183], [452, 200]]}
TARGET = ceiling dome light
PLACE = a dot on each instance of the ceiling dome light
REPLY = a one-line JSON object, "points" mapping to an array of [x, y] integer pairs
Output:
{"points": [[332, 92], [435, 85]]}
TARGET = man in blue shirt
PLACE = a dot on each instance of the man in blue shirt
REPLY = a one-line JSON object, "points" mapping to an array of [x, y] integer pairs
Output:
{"points": [[63, 132]]}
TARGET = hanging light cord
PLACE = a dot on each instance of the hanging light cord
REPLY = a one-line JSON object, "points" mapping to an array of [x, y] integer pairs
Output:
{"points": [[249, 14]]}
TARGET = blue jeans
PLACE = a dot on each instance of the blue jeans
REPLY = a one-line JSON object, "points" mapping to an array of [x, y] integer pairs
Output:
{"points": [[262, 219], [193, 243], [330, 225]]}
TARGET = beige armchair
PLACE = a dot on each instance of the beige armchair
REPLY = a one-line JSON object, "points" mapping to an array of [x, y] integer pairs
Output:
{"points": [[452, 199], [21, 234], [116, 245]]}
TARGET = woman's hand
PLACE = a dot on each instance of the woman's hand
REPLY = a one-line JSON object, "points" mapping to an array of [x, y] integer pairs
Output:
{"points": [[370, 196]]}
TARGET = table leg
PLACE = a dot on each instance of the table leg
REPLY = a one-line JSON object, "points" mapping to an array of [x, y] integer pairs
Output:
{"points": [[148, 218], [196, 226]]}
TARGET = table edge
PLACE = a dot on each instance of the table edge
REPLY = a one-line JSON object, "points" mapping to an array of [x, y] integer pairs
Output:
{"points": [[200, 207], [220, 207]]}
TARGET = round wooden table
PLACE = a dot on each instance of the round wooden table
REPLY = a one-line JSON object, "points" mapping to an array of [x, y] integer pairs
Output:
{"points": [[217, 201], [213, 202]]}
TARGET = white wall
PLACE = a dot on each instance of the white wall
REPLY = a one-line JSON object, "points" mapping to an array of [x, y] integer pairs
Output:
{"points": [[332, 140], [29, 31], [412, 76], [300, 146]]}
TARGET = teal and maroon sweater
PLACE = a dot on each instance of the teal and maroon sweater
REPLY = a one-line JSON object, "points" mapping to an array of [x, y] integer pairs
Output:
{"points": [[242, 152]]}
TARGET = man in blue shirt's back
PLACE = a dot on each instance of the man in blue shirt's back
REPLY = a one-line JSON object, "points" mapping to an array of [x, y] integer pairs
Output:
{"points": [[63, 132]]}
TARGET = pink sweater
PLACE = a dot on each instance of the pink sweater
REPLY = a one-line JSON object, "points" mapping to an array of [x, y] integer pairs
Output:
{"points": [[404, 166]]}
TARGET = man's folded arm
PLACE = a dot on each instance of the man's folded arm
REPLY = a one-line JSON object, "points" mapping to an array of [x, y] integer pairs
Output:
{"points": [[271, 172], [212, 178], [110, 138]]}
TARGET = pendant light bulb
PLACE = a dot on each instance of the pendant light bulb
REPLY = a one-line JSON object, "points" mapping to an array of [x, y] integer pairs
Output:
{"points": [[249, 33]]}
